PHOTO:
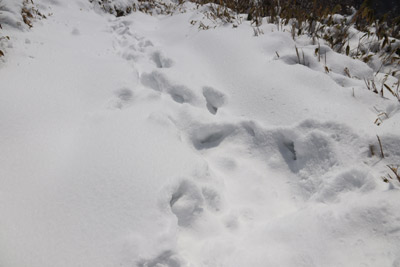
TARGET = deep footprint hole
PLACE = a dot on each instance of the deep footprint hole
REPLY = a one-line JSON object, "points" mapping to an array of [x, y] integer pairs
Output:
{"points": [[211, 136], [214, 99]]}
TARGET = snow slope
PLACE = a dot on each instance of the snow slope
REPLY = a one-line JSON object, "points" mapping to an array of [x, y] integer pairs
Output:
{"points": [[144, 141]]}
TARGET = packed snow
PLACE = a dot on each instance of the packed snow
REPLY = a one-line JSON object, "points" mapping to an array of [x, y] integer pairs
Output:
{"points": [[142, 140]]}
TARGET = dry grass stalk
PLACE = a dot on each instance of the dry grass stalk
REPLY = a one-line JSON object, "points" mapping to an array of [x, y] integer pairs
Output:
{"points": [[395, 173], [380, 146]]}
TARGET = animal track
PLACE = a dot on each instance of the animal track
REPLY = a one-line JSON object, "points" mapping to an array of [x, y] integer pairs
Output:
{"points": [[75, 32], [145, 43], [181, 94], [214, 98], [212, 198], [157, 81], [132, 46], [289, 152], [124, 96], [187, 203], [210, 136], [167, 259], [161, 61], [347, 181]]}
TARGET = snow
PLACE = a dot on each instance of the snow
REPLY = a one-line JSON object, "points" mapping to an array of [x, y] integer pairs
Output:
{"points": [[144, 141]]}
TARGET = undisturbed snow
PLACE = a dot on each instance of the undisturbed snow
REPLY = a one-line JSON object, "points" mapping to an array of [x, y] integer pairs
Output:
{"points": [[142, 141]]}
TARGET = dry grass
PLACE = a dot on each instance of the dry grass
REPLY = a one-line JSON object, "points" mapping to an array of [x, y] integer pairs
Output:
{"points": [[394, 174], [29, 13], [150, 7], [315, 19], [380, 146], [1, 35]]}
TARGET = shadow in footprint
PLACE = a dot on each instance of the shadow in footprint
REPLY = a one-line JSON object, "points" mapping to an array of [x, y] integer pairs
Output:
{"points": [[187, 203], [181, 94], [211, 136], [124, 96], [214, 98], [287, 149], [211, 198], [145, 43], [312, 154], [155, 80], [161, 61]]}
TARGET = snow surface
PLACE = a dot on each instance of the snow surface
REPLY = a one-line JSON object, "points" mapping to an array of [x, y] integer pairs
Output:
{"points": [[144, 141]]}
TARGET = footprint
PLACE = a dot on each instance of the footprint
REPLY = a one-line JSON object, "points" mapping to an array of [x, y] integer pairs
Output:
{"points": [[214, 98], [132, 47], [161, 61], [210, 136], [155, 80], [231, 222], [187, 203], [124, 42], [146, 43], [350, 180], [250, 128], [288, 151], [121, 24], [124, 96], [75, 32], [129, 56], [181, 94], [212, 198], [167, 259], [123, 30], [315, 153]]}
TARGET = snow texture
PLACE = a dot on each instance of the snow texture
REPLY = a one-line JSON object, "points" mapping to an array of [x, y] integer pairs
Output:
{"points": [[143, 141]]}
